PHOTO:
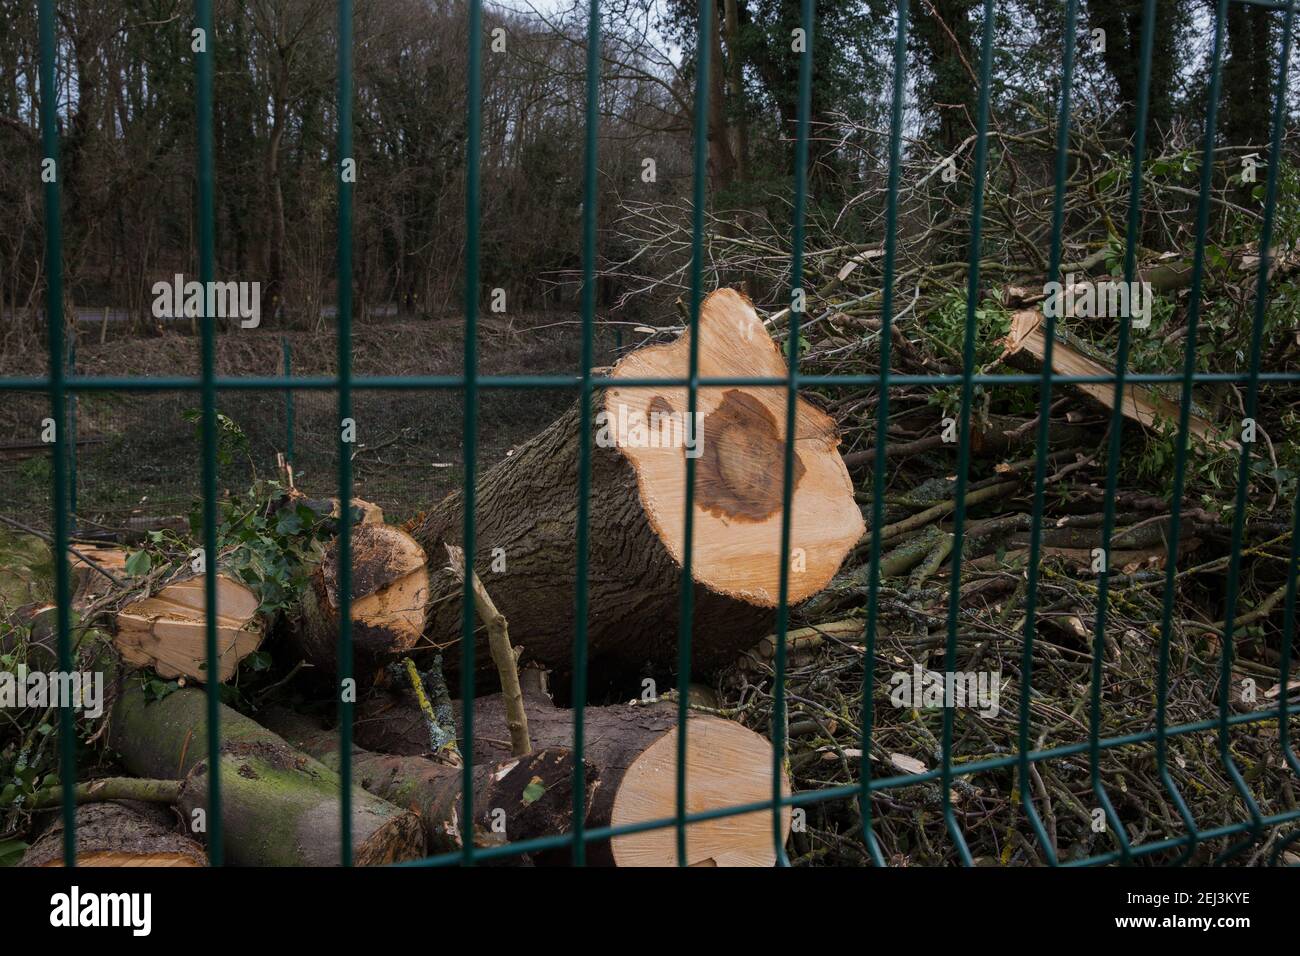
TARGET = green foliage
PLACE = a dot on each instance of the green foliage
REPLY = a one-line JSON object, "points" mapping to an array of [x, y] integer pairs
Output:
{"points": [[231, 440], [156, 689], [29, 763], [271, 552], [138, 564], [11, 851], [534, 791], [1210, 469], [945, 329], [37, 470]]}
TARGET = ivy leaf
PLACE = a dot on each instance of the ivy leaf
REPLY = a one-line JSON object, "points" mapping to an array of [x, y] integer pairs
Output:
{"points": [[533, 792], [11, 851], [139, 564], [288, 524]]}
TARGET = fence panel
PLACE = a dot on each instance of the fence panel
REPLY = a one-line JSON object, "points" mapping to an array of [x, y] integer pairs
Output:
{"points": [[62, 389]]}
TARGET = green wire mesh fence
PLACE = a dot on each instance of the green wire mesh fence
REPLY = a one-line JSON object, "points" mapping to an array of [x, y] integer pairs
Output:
{"points": [[62, 388]]}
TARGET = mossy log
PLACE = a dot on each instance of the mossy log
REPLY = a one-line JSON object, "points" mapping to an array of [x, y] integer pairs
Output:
{"points": [[279, 806]]}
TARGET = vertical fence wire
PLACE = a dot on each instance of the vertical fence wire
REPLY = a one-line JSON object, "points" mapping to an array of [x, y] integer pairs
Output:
{"points": [[1115, 436], [203, 97], [703, 48], [1044, 428], [346, 174], [798, 298], [967, 397], [1185, 398], [1130, 271], [474, 107], [52, 176], [1251, 407], [882, 430], [583, 543]]}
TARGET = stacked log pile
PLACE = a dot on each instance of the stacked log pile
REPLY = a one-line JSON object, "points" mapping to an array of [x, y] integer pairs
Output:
{"points": [[279, 764]]}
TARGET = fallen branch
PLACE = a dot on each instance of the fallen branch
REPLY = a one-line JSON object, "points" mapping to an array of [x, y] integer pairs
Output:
{"points": [[502, 653]]}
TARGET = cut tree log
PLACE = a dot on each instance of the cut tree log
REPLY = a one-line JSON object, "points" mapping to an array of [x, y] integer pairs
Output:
{"points": [[526, 512], [279, 806], [166, 630], [118, 834], [390, 587], [1025, 347], [516, 799], [634, 751]]}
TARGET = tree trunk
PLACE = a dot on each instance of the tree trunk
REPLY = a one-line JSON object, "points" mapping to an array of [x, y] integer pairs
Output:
{"points": [[279, 806], [722, 161], [118, 834], [633, 749], [516, 799], [526, 513], [1248, 76], [739, 121]]}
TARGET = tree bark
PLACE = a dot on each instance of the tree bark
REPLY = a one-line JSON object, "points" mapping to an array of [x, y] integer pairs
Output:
{"points": [[279, 806], [515, 799], [526, 511], [528, 506], [118, 834]]}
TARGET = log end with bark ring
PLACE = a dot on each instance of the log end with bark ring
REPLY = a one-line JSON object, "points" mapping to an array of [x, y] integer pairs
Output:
{"points": [[390, 591], [115, 834], [738, 439], [632, 750]]}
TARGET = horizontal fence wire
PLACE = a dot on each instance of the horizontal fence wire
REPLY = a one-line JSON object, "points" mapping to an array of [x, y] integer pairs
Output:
{"points": [[457, 382], [59, 384]]}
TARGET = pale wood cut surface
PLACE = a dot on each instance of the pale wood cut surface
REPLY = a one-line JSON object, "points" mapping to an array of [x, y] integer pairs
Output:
{"points": [[726, 765], [166, 631], [737, 540], [1141, 404]]}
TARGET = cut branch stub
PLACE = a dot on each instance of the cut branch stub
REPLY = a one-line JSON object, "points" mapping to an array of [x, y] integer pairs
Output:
{"points": [[166, 630], [740, 453]]}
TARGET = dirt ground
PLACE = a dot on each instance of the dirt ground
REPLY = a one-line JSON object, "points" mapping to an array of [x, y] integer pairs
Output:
{"points": [[139, 452]]}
